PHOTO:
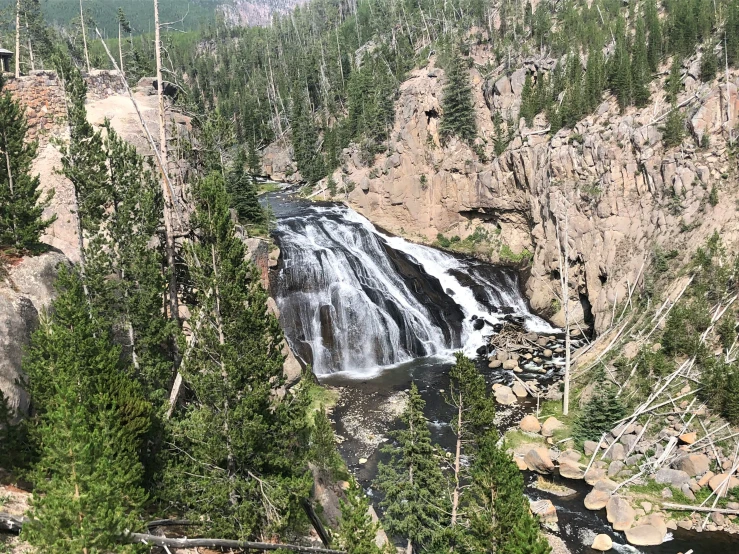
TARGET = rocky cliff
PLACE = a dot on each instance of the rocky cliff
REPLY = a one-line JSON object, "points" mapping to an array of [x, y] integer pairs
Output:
{"points": [[624, 193]]}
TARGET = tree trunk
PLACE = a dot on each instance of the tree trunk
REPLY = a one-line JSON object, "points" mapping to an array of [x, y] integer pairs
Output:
{"points": [[17, 38], [30, 48], [10, 184], [84, 37], [168, 200], [120, 48], [457, 459]]}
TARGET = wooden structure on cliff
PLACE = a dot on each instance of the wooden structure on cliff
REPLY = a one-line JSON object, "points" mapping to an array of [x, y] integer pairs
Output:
{"points": [[5, 57]]}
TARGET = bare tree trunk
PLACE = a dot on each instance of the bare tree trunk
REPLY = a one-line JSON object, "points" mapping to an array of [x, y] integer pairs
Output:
{"points": [[457, 460], [120, 47], [168, 200], [30, 48], [10, 182], [564, 276], [17, 38], [84, 37]]}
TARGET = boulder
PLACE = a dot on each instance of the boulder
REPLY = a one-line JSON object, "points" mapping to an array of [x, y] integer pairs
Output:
{"points": [[657, 521], [602, 543], [674, 477], [504, 395], [703, 481], [510, 364], [594, 475], [693, 464], [530, 424], [717, 480], [570, 454], [519, 390], [605, 485], [495, 364], [570, 470], [550, 426], [619, 513], [589, 447], [597, 500], [545, 510], [688, 438], [520, 463], [615, 468], [616, 452], [538, 460], [644, 535]]}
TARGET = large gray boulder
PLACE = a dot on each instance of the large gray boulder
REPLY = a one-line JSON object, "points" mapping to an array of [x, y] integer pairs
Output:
{"points": [[538, 460], [693, 464], [674, 477], [620, 514], [27, 290]]}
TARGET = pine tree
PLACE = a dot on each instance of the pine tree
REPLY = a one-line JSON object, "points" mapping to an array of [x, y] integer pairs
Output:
{"points": [[500, 513], [674, 129], [13, 443], [458, 109], [620, 67], [415, 503], [89, 420], [594, 79], [21, 203], [252, 160], [528, 101], [640, 75], [356, 533], [305, 139], [243, 192], [673, 83], [600, 414], [709, 63], [731, 32], [654, 41], [323, 444], [238, 453], [474, 416]]}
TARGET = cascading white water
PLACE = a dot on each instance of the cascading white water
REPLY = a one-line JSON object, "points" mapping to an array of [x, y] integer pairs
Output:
{"points": [[354, 300]]}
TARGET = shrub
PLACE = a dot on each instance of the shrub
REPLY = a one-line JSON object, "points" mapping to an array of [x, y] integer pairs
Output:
{"points": [[599, 415]]}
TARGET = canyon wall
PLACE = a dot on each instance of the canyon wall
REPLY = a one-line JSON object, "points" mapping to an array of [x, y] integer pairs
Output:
{"points": [[624, 194]]}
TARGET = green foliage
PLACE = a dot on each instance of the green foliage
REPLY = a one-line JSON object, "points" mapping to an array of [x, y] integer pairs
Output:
{"points": [[458, 109], [709, 63], [243, 191], [415, 503], [726, 329], [21, 203], [89, 421], [684, 326], [599, 414], [13, 440], [508, 255], [323, 445], [305, 140], [500, 513], [713, 196], [356, 533], [331, 185], [220, 469], [674, 128]]}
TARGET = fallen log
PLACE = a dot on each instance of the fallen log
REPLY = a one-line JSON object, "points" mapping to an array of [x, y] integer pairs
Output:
{"points": [[223, 543], [15, 524], [685, 508]]}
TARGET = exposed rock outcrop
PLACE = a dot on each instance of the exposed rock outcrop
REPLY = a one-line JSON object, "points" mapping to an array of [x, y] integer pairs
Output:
{"points": [[28, 289], [623, 192]]}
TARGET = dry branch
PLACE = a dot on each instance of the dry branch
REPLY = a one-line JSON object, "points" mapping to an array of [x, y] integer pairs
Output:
{"points": [[223, 543]]}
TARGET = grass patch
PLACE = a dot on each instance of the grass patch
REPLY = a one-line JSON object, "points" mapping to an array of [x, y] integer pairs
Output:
{"points": [[515, 438], [267, 187]]}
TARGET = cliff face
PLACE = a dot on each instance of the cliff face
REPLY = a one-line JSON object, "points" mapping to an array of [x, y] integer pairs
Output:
{"points": [[624, 193]]}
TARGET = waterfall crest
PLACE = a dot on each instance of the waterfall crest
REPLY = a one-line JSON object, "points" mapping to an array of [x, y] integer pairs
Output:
{"points": [[352, 299]]}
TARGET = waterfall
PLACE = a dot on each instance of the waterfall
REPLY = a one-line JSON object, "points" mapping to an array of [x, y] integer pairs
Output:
{"points": [[353, 299]]}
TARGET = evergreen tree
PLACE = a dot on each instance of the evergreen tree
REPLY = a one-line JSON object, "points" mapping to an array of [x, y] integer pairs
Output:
{"points": [[458, 109], [500, 514], [305, 140], [528, 107], [674, 129], [243, 192], [88, 424], [595, 78], [323, 444], [416, 502], [673, 83], [731, 32], [21, 206], [474, 417], [654, 41], [13, 443], [620, 67], [709, 63], [356, 533], [237, 460], [253, 161], [640, 75], [599, 415]]}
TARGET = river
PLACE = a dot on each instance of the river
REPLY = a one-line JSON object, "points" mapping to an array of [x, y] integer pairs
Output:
{"points": [[371, 313]]}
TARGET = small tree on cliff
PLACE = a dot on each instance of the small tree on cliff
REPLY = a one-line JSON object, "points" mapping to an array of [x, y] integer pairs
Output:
{"points": [[356, 530], [458, 109], [21, 205]]}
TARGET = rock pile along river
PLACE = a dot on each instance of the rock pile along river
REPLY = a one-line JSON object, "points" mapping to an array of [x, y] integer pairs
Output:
{"points": [[371, 312]]}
